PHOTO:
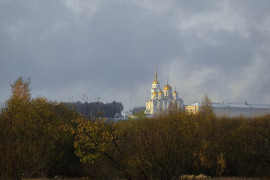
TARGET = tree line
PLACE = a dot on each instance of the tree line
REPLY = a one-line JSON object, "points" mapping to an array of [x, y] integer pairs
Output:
{"points": [[40, 138], [97, 109]]}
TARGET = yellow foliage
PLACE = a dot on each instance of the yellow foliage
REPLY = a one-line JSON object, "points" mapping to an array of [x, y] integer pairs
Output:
{"points": [[221, 164], [92, 138]]}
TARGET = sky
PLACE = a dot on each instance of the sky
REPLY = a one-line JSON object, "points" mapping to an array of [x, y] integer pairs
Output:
{"points": [[107, 49]]}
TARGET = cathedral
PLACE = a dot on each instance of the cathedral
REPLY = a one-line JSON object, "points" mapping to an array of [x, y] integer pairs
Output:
{"points": [[161, 100]]}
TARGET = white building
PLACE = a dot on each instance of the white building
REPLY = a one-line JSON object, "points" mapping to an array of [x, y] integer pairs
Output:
{"points": [[234, 109], [161, 100]]}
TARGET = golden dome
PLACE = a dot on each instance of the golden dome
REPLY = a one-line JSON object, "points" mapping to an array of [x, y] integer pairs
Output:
{"points": [[167, 87], [160, 92], [155, 93], [174, 92]]}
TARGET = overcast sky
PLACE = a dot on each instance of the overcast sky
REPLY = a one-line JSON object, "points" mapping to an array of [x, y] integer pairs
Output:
{"points": [[108, 49]]}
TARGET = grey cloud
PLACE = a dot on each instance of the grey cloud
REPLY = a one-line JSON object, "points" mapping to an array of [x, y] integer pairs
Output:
{"points": [[109, 49]]}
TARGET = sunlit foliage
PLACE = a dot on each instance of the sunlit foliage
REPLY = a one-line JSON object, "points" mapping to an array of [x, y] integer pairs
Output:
{"points": [[92, 138]]}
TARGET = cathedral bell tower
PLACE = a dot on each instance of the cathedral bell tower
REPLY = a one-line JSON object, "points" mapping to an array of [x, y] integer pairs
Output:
{"points": [[155, 87]]}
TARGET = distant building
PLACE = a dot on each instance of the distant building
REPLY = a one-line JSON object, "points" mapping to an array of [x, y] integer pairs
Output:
{"points": [[233, 109], [162, 100], [128, 113]]}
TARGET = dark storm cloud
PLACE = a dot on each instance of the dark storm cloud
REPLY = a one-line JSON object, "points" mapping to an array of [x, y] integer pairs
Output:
{"points": [[109, 48]]}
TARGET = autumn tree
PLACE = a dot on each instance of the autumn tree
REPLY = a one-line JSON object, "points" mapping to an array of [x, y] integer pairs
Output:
{"points": [[29, 131], [92, 138]]}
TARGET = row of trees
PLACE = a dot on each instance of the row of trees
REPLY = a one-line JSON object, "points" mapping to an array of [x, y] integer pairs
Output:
{"points": [[97, 109], [40, 138]]}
